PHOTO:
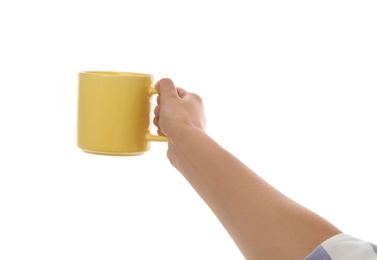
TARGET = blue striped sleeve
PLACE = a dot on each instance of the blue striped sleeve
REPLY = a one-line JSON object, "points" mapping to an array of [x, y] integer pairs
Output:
{"points": [[342, 247], [319, 254]]}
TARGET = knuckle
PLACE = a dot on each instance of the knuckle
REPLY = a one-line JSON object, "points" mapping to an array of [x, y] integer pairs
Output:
{"points": [[197, 98], [157, 110]]}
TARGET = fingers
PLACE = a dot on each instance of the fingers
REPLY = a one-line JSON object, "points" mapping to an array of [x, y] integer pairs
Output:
{"points": [[159, 132], [156, 120], [181, 92], [156, 116], [166, 88]]}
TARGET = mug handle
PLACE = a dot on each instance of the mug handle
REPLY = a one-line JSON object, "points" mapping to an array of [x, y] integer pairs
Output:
{"points": [[149, 136]]}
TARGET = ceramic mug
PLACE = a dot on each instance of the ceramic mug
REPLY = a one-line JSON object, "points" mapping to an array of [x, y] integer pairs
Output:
{"points": [[114, 113]]}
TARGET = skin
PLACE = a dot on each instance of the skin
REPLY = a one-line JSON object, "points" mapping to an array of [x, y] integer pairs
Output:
{"points": [[263, 222]]}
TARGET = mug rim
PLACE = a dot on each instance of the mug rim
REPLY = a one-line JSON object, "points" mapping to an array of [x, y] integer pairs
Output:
{"points": [[115, 73]]}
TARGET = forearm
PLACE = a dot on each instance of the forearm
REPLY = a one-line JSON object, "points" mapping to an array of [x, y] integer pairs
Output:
{"points": [[263, 222]]}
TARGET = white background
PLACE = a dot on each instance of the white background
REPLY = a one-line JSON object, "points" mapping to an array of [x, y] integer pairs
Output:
{"points": [[289, 87]]}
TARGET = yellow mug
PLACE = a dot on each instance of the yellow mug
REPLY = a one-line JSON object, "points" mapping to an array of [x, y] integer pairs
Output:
{"points": [[114, 113]]}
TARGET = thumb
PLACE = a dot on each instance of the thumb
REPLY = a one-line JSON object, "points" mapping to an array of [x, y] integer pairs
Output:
{"points": [[166, 88]]}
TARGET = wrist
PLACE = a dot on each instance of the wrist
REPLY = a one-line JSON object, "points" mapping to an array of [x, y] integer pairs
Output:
{"points": [[183, 144], [184, 133]]}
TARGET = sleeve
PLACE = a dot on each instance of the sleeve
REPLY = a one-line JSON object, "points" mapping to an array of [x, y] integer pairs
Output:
{"points": [[344, 247]]}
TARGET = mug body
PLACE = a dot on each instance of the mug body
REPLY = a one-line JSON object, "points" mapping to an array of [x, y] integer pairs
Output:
{"points": [[114, 112]]}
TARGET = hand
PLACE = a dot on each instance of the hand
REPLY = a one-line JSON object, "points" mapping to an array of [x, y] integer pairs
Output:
{"points": [[177, 109]]}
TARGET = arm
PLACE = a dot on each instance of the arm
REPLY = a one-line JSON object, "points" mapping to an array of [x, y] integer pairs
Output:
{"points": [[264, 223]]}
